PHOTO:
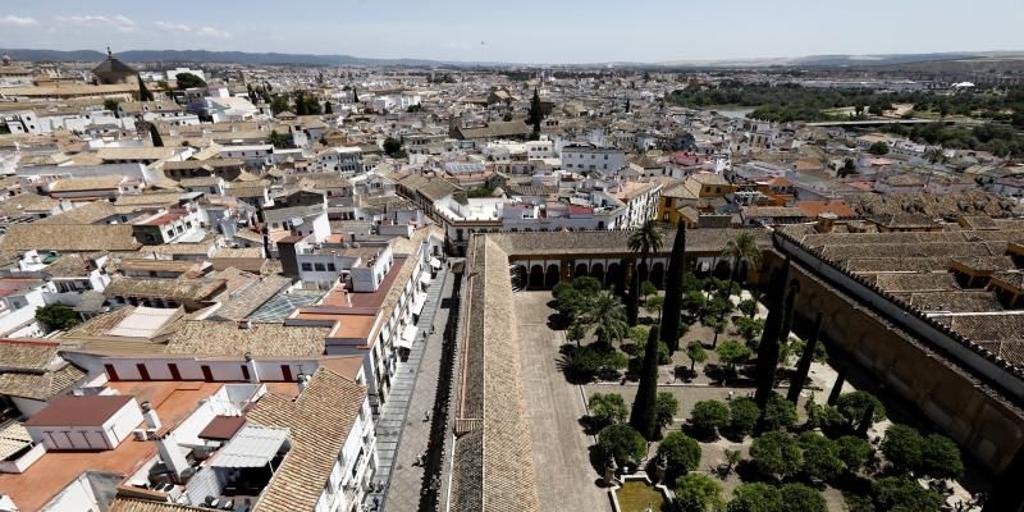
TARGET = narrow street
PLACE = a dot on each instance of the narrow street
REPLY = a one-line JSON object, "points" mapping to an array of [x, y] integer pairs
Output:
{"points": [[403, 427]]}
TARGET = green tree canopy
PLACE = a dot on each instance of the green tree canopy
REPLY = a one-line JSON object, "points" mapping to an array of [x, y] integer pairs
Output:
{"points": [[623, 443], [278, 104], [749, 328], [647, 289], [278, 141], [777, 455], [696, 353], [393, 148], [902, 448], [733, 353], [821, 456], [896, 494], [665, 408], [756, 497], [853, 406], [708, 416], [801, 498], [681, 452], [608, 408], [779, 413], [879, 149], [940, 457], [698, 492], [854, 452], [57, 316], [188, 81], [743, 413], [606, 315]]}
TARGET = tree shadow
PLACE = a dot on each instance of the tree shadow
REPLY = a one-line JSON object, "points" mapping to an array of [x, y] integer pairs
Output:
{"points": [[685, 374], [591, 425], [597, 460], [557, 322], [718, 374], [699, 434], [732, 434], [748, 473]]}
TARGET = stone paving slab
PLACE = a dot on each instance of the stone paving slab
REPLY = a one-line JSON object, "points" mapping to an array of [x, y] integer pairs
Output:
{"points": [[404, 416]]}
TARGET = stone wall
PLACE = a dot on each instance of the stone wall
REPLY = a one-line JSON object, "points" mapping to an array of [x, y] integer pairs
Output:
{"points": [[988, 426]]}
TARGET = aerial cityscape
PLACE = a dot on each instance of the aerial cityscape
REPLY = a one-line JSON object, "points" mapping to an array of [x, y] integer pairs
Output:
{"points": [[460, 257]]}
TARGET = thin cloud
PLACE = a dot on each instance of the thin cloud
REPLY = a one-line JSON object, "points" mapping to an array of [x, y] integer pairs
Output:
{"points": [[10, 20], [117, 22], [205, 30]]}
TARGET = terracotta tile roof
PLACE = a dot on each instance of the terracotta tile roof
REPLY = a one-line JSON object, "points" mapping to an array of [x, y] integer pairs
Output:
{"points": [[25, 354], [492, 392], [132, 505], [813, 209], [40, 386], [175, 289], [69, 238], [615, 242], [319, 420], [223, 338]]}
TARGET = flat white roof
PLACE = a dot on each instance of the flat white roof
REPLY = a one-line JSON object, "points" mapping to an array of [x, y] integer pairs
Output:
{"points": [[144, 322]]}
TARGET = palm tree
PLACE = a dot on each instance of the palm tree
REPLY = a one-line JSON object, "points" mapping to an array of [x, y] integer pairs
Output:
{"points": [[607, 317], [644, 241], [935, 156], [743, 248]]}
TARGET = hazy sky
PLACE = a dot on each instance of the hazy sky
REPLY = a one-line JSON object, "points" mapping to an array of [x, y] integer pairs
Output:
{"points": [[531, 31]]}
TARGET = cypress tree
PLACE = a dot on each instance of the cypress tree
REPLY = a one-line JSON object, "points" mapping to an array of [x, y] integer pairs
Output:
{"points": [[787, 319], [623, 278], [768, 349], [672, 308], [328, 108], [633, 298], [300, 104], [144, 94], [796, 384], [355, 95], [643, 417], [866, 420], [535, 114], [158, 142]]}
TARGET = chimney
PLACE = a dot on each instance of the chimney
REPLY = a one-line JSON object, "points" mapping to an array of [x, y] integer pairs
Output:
{"points": [[149, 413], [171, 456], [244, 324], [826, 221], [250, 363], [352, 236], [303, 382]]}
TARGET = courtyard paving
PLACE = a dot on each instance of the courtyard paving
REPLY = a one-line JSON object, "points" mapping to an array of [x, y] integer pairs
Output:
{"points": [[565, 478]]}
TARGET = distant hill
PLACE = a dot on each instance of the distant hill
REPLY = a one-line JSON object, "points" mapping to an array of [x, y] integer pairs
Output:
{"points": [[841, 60], [249, 58], [206, 56]]}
